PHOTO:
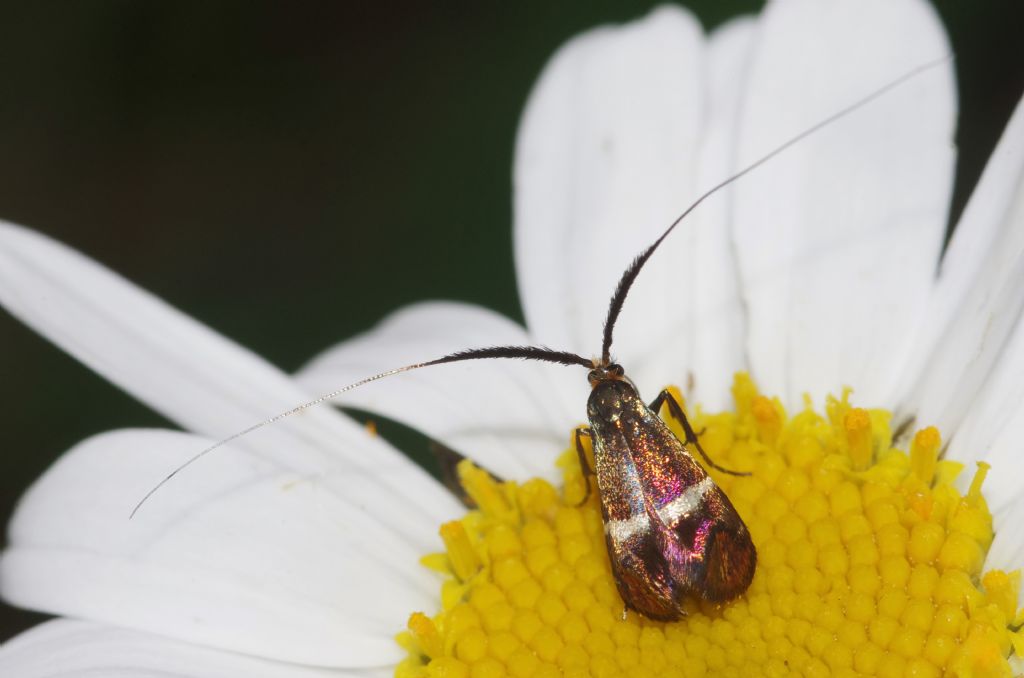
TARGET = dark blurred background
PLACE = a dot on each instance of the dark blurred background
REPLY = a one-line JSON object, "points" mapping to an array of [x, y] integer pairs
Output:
{"points": [[290, 172]]}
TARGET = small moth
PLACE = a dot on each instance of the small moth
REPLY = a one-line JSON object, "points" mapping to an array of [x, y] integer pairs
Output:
{"points": [[671, 532]]}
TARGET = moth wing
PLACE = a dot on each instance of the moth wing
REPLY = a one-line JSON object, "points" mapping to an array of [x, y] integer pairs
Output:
{"points": [[728, 552], [711, 550], [670, 531], [635, 537], [641, 575]]}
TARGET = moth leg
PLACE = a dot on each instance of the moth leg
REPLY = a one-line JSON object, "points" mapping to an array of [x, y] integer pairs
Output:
{"points": [[676, 410], [584, 464]]}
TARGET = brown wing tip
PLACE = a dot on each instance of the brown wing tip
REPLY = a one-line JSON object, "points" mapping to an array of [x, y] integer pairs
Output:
{"points": [[731, 561]]}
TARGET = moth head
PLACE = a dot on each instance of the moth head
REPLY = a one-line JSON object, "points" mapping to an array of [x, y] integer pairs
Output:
{"points": [[602, 372]]}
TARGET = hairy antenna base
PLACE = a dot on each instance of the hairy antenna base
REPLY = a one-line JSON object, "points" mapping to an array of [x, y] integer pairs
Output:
{"points": [[870, 562]]}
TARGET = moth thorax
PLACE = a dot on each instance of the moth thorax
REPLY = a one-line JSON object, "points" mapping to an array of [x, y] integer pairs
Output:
{"points": [[609, 399]]}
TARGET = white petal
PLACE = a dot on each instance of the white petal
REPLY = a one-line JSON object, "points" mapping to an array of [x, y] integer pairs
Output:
{"points": [[715, 334], [1007, 550], [246, 556], [503, 413], [183, 369], [64, 648], [978, 299], [605, 160], [992, 429], [838, 237], [164, 358], [992, 425]]}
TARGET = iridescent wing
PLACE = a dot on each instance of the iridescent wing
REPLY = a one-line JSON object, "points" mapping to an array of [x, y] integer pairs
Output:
{"points": [[670, 530]]}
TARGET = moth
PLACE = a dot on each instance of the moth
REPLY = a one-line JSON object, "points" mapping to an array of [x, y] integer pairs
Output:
{"points": [[671, 533]]}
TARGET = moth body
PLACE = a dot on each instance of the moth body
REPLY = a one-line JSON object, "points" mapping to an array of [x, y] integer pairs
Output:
{"points": [[670, 530]]}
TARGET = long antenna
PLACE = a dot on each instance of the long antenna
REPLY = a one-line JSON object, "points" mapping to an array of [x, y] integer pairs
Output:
{"points": [[630, 274], [514, 352], [539, 352]]}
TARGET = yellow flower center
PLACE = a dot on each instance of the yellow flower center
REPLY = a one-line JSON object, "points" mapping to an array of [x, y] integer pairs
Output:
{"points": [[869, 563]]}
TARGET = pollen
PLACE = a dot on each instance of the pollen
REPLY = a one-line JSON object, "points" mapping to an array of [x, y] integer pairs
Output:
{"points": [[870, 563]]}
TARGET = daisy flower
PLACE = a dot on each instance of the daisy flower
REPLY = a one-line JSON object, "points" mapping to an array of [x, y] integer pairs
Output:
{"points": [[296, 551]]}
